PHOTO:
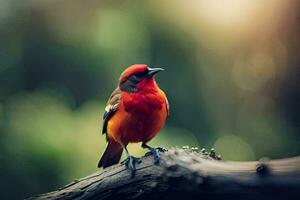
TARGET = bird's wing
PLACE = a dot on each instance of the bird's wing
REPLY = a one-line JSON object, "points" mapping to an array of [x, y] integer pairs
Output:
{"points": [[111, 107]]}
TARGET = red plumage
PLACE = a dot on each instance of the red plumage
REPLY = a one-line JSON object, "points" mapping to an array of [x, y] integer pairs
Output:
{"points": [[135, 112]]}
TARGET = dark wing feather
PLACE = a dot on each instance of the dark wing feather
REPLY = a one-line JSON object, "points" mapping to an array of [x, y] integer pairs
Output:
{"points": [[111, 107]]}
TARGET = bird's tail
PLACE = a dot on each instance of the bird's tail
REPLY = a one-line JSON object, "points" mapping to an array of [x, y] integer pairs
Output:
{"points": [[111, 155]]}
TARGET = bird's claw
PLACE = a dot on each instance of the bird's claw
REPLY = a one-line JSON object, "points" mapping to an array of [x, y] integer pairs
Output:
{"points": [[155, 152], [162, 149], [156, 155], [130, 164]]}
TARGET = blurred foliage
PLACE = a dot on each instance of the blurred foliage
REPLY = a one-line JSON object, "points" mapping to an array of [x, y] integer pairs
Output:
{"points": [[232, 79]]}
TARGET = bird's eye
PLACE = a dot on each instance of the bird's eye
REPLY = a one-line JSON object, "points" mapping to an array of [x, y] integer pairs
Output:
{"points": [[135, 78], [139, 75]]}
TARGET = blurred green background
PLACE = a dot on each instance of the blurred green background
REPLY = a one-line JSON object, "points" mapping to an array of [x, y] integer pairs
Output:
{"points": [[232, 79]]}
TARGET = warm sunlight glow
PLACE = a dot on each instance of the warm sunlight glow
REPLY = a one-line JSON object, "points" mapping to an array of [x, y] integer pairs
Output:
{"points": [[229, 12]]}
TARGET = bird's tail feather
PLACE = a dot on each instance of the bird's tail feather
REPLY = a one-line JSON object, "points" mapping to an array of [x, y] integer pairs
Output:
{"points": [[111, 155]]}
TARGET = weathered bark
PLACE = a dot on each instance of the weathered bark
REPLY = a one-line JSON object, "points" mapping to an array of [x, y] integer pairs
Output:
{"points": [[190, 175]]}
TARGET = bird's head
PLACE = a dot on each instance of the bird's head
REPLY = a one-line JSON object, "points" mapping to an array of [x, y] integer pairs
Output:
{"points": [[137, 77]]}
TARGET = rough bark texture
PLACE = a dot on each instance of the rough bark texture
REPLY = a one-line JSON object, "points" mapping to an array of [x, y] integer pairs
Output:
{"points": [[189, 174]]}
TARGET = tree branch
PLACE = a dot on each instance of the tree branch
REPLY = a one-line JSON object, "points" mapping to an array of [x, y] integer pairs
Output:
{"points": [[190, 175]]}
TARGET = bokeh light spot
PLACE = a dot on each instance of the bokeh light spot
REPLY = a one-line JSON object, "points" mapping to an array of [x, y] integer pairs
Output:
{"points": [[234, 148]]}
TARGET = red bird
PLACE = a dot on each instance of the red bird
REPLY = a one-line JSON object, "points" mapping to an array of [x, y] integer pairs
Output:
{"points": [[135, 112]]}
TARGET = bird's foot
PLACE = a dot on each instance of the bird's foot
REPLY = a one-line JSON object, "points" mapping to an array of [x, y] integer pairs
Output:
{"points": [[130, 164], [155, 152]]}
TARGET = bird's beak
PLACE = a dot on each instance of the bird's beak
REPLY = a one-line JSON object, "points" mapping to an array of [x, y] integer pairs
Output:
{"points": [[153, 71]]}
